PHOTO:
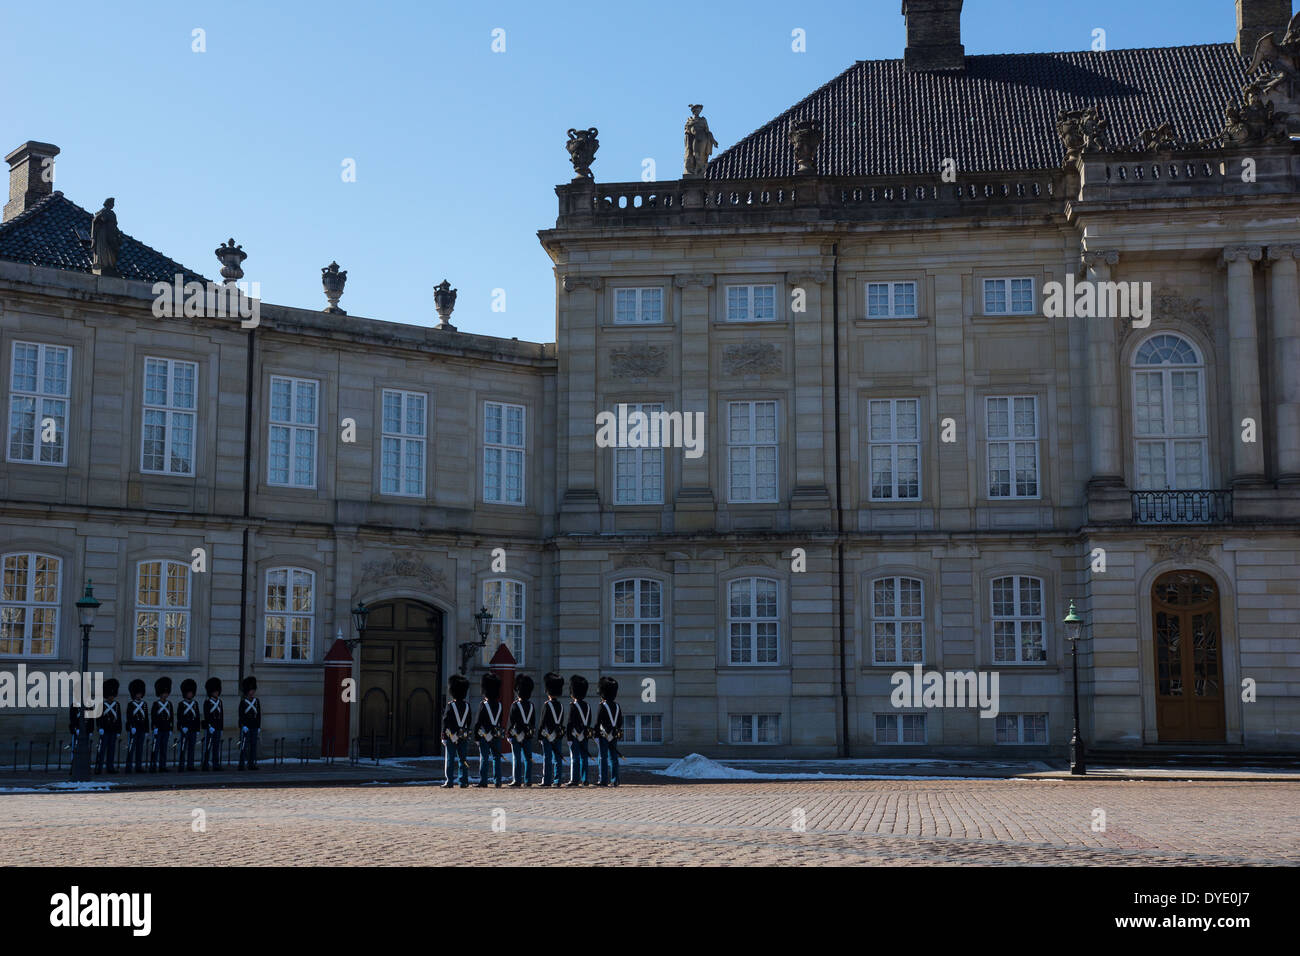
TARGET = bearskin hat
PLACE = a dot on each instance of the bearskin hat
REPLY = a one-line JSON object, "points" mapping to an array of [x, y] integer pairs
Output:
{"points": [[491, 685], [250, 683], [608, 688], [524, 686], [458, 686], [136, 687], [188, 686], [554, 684], [213, 686], [110, 687], [163, 685], [578, 686]]}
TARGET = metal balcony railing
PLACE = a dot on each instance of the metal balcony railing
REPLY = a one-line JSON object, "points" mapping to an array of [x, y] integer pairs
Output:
{"points": [[1206, 506]]}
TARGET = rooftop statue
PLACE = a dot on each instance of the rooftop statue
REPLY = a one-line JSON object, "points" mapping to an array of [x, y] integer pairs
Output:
{"points": [[699, 144], [105, 241]]}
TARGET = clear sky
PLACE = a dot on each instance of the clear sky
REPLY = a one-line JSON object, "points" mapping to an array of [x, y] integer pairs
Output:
{"points": [[457, 148]]}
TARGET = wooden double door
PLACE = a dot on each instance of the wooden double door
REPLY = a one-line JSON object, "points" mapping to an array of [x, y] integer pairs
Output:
{"points": [[1188, 657], [401, 679]]}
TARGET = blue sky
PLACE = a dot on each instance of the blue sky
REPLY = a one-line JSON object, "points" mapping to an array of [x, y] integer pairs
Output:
{"points": [[457, 148]]}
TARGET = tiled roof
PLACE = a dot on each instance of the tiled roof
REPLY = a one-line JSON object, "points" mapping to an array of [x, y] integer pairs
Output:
{"points": [[47, 235], [999, 114]]}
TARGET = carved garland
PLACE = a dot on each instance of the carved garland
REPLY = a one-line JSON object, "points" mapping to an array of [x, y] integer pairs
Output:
{"points": [[404, 566], [751, 358]]}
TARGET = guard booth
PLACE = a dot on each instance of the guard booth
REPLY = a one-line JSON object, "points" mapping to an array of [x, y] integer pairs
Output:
{"points": [[503, 665]]}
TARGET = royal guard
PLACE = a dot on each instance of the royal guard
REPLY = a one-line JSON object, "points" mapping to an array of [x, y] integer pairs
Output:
{"points": [[214, 722], [250, 723], [609, 731], [523, 722], [161, 720], [488, 730], [456, 733], [108, 727], [551, 730], [579, 727], [137, 725], [188, 719]]}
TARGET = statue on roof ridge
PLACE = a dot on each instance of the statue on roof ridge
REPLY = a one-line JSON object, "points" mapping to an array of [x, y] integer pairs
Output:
{"points": [[105, 241], [700, 143]]}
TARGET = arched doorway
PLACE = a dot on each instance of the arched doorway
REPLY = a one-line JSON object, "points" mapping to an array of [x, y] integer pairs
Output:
{"points": [[400, 679], [1188, 658]]}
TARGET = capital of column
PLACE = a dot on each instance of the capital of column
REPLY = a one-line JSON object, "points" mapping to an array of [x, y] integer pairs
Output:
{"points": [[1099, 258], [1283, 253], [1244, 254], [687, 279], [571, 282]]}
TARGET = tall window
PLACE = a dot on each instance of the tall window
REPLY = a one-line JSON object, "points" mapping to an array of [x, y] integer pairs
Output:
{"points": [[1012, 429], [401, 469], [289, 619], [505, 600], [752, 621], [754, 728], [891, 300], [1018, 621], [900, 728], [1009, 297], [638, 306], [29, 605], [751, 303], [1169, 414], [162, 609], [503, 453], [38, 403], [170, 397], [638, 621], [639, 472], [294, 419], [751, 451], [897, 621], [894, 438]]}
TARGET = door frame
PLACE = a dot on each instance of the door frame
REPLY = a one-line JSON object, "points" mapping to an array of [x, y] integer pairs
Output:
{"points": [[447, 611], [1229, 651]]}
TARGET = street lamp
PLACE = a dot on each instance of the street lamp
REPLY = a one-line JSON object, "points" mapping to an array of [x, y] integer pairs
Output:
{"points": [[86, 609], [359, 615], [483, 621], [1073, 631]]}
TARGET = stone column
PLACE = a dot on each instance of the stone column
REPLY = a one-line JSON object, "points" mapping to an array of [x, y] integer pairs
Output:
{"points": [[580, 506], [807, 425], [1284, 314], [1103, 382], [1243, 362], [694, 503]]}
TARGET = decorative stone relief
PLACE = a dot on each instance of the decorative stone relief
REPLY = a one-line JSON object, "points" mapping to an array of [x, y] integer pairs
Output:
{"points": [[745, 560], [638, 360], [693, 278], [1183, 549], [1172, 310], [751, 358], [409, 566], [650, 562]]}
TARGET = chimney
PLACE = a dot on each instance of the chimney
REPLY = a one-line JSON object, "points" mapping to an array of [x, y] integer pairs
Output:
{"points": [[31, 176], [1257, 17], [933, 35]]}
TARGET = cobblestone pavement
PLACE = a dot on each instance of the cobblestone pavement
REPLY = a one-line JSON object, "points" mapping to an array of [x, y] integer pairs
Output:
{"points": [[746, 823]]}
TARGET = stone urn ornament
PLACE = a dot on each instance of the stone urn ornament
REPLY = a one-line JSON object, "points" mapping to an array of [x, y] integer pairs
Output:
{"points": [[231, 258], [444, 300], [582, 146], [333, 279], [805, 137]]}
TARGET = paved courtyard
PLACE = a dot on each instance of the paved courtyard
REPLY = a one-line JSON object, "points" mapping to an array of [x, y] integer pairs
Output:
{"points": [[741, 823]]}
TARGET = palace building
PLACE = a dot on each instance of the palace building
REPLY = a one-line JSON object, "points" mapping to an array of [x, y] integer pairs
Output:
{"points": [[911, 457]]}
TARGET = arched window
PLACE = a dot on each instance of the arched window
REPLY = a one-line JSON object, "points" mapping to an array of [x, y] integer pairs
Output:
{"points": [[29, 604], [638, 621], [505, 600], [897, 621], [753, 621], [1169, 424], [289, 616], [162, 609]]}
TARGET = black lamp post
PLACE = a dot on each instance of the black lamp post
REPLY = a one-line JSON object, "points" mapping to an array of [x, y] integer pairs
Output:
{"points": [[86, 609], [359, 615], [483, 620], [1073, 631]]}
